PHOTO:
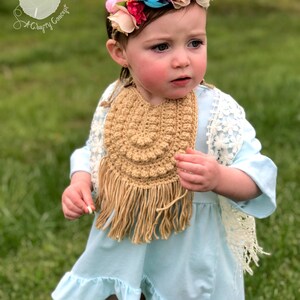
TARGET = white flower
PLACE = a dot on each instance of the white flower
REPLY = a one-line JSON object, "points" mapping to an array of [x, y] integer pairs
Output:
{"points": [[180, 3], [203, 3]]}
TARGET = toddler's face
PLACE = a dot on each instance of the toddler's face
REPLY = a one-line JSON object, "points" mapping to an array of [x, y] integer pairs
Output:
{"points": [[168, 58]]}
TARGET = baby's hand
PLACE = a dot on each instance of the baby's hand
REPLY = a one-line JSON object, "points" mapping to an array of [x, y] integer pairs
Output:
{"points": [[77, 198], [197, 171]]}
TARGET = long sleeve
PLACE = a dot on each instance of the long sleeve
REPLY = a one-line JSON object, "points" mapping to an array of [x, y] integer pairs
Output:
{"points": [[231, 139], [261, 169], [80, 160]]}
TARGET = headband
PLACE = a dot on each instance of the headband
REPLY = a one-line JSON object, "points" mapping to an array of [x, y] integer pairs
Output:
{"points": [[126, 16]]}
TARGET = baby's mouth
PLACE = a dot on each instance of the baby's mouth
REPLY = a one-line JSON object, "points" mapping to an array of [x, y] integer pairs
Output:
{"points": [[181, 79]]}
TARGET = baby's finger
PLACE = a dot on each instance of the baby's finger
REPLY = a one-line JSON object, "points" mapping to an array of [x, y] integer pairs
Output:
{"points": [[89, 204], [69, 214], [192, 158], [189, 185], [74, 197], [193, 151], [190, 167], [189, 177], [72, 206]]}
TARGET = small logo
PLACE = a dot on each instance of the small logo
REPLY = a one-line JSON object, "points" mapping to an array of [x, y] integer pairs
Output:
{"points": [[39, 9]]}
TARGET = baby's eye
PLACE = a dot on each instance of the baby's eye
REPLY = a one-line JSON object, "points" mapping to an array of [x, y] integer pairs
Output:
{"points": [[160, 47], [195, 43]]}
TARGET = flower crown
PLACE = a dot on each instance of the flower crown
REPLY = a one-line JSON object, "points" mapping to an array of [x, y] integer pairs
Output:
{"points": [[126, 16]]}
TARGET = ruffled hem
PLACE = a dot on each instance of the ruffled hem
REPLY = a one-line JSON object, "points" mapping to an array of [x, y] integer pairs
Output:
{"points": [[72, 287], [149, 290]]}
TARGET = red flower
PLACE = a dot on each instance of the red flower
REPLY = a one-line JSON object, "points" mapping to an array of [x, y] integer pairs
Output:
{"points": [[135, 8]]}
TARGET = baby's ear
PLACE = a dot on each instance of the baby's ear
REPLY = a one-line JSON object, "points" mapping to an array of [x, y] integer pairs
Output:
{"points": [[116, 52]]}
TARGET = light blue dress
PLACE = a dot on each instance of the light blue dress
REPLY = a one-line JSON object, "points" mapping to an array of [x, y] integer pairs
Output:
{"points": [[195, 264]]}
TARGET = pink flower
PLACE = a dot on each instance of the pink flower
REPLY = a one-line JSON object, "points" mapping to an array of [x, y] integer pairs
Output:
{"points": [[136, 8], [122, 20], [111, 5]]}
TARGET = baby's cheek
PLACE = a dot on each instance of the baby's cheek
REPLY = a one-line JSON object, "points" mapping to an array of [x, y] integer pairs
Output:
{"points": [[155, 76]]}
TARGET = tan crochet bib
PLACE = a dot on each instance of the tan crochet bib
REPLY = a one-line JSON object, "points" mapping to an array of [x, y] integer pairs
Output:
{"points": [[139, 191]]}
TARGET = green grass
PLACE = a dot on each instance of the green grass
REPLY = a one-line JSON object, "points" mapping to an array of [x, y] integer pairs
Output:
{"points": [[49, 87]]}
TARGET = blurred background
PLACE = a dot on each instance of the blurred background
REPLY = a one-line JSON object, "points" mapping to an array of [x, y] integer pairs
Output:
{"points": [[50, 81]]}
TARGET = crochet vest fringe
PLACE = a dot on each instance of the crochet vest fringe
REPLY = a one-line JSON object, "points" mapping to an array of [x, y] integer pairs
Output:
{"points": [[139, 190]]}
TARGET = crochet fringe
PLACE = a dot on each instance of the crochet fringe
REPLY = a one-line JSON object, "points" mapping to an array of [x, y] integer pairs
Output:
{"points": [[140, 213]]}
